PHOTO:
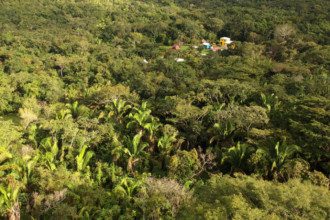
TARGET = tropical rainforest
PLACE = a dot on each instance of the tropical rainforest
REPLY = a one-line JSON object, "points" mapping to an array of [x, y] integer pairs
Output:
{"points": [[100, 119]]}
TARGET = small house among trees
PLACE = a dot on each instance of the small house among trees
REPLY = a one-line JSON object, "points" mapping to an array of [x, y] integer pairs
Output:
{"points": [[206, 45], [225, 41]]}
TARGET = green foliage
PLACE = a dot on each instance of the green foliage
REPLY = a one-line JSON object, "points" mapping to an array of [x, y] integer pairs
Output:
{"points": [[49, 147], [12, 181], [221, 131], [141, 116], [165, 143], [9, 133], [135, 150], [8, 199], [98, 120], [270, 102], [184, 165], [236, 156], [77, 110], [244, 197], [272, 160], [83, 158], [162, 198]]}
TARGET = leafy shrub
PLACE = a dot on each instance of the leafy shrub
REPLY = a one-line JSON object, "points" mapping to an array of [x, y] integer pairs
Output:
{"points": [[162, 198], [245, 197], [184, 165]]}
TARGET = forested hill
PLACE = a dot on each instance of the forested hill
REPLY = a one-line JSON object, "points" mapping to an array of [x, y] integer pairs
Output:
{"points": [[123, 109]]}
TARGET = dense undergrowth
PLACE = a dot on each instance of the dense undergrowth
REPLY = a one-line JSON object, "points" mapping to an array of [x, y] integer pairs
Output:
{"points": [[98, 120]]}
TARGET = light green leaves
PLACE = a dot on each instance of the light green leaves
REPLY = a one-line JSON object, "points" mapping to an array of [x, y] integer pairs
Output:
{"points": [[83, 158], [135, 150], [50, 147]]}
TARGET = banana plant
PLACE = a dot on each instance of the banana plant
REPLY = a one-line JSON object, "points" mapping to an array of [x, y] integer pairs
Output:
{"points": [[152, 127], [271, 102], [9, 201], [282, 153], [9, 164], [221, 131], [83, 158], [134, 150], [28, 168], [63, 114], [128, 186], [141, 116], [279, 155], [49, 146], [142, 119], [118, 108], [235, 156], [76, 109], [165, 143], [10, 171], [15, 172]]}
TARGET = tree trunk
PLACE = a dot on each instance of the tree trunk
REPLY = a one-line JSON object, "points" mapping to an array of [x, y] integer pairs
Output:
{"points": [[14, 213]]}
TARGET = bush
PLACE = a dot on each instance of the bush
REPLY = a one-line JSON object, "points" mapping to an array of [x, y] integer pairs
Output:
{"points": [[162, 198], [245, 197], [184, 165]]}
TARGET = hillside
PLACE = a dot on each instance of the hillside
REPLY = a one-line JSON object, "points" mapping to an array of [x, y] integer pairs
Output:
{"points": [[164, 109]]}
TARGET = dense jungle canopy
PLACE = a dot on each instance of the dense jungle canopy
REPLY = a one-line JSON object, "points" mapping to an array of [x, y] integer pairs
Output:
{"points": [[114, 109]]}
